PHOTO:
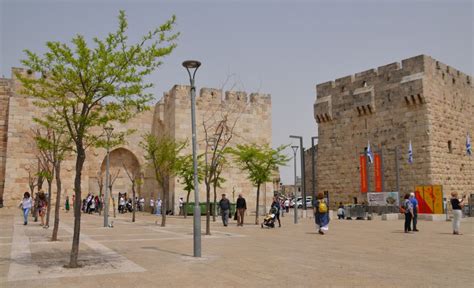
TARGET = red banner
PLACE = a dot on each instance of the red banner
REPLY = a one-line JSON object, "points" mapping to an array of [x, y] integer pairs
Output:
{"points": [[363, 174], [378, 172]]}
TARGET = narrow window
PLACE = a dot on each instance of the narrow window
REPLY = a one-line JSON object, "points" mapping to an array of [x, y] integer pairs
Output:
{"points": [[454, 81], [364, 84], [450, 147]]}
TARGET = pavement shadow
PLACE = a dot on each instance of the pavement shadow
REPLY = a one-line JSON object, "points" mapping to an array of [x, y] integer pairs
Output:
{"points": [[166, 251]]}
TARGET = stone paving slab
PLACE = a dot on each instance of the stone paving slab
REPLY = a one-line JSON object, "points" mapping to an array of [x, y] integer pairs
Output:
{"points": [[142, 254]]}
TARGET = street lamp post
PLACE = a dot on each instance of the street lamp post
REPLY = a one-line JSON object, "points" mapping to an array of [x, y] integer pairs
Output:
{"points": [[313, 176], [303, 184], [108, 132], [295, 206], [194, 65]]}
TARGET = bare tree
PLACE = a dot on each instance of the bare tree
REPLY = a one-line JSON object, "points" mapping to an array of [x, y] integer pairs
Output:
{"points": [[136, 179], [218, 133], [113, 177], [100, 184]]}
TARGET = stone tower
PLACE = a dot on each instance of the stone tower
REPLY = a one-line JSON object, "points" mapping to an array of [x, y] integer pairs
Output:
{"points": [[420, 100]]}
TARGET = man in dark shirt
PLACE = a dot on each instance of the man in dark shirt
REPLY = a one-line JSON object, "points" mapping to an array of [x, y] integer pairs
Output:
{"points": [[276, 208], [241, 207], [224, 205]]}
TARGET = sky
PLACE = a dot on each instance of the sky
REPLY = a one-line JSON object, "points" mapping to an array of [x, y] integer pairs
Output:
{"points": [[284, 48]]}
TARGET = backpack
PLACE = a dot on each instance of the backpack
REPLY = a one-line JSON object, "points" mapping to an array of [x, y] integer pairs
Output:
{"points": [[322, 207]]}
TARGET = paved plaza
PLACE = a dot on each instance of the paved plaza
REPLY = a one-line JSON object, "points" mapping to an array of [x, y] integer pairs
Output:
{"points": [[142, 254]]}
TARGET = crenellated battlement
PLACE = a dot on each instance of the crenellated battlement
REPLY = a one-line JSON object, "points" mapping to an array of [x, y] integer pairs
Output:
{"points": [[216, 96], [367, 91]]}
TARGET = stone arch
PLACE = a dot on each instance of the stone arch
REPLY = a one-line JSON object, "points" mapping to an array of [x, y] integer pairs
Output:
{"points": [[118, 158]]}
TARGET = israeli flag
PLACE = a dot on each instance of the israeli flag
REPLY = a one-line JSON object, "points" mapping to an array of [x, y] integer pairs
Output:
{"points": [[369, 154], [468, 145], [410, 154]]}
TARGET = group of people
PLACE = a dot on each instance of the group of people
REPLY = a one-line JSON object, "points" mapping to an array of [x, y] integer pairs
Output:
{"points": [[92, 203], [37, 206]]}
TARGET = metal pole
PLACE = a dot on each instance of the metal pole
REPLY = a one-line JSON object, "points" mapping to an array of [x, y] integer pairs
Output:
{"points": [[313, 176], [303, 184], [397, 169], [303, 174], [295, 206], [107, 166], [197, 209]]}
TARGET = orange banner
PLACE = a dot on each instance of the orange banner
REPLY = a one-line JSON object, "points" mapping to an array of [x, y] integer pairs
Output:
{"points": [[378, 172], [363, 174]]}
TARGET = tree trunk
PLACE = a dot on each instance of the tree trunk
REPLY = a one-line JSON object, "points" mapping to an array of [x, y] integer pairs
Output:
{"points": [[48, 211], [80, 159], [258, 200], [163, 205], [113, 200], [133, 202], [58, 202], [215, 201], [208, 210], [186, 205]]}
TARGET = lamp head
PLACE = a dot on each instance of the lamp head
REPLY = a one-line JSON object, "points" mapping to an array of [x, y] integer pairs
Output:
{"points": [[295, 148], [191, 64]]}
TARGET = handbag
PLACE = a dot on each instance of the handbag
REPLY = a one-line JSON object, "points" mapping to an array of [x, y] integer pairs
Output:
{"points": [[402, 210]]}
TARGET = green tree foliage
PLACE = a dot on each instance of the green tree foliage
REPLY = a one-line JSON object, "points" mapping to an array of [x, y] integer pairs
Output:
{"points": [[185, 172], [163, 157], [87, 86], [259, 162]]}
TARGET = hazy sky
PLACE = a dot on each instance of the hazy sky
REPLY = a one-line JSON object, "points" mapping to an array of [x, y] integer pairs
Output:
{"points": [[279, 47]]}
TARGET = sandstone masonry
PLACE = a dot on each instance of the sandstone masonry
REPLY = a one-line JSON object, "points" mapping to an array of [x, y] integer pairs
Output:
{"points": [[170, 116], [420, 100]]}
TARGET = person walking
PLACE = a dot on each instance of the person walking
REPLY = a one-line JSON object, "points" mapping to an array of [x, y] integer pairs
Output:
{"points": [[152, 205], [42, 206], [158, 206], [241, 207], [276, 207], [321, 214], [26, 205], [180, 205], [408, 211], [224, 205], [457, 206], [414, 202], [66, 205]]}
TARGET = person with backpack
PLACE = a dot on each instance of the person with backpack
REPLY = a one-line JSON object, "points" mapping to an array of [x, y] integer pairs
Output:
{"points": [[408, 211], [321, 214]]}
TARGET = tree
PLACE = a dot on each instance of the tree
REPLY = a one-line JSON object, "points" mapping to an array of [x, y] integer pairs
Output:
{"points": [[185, 171], [259, 162], [218, 132], [136, 179], [100, 184], [218, 181], [53, 147], [88, 87], [112, 179], [163, 157]]}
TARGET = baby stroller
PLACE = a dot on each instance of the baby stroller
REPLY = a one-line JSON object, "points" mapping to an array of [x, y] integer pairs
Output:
{"points": [[269, 220]]}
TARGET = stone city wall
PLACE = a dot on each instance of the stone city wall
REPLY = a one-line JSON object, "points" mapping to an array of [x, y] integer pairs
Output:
{"points": [[390, 106], [170, 116]]}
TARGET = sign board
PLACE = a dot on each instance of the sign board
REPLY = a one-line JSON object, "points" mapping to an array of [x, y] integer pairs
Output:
{"points": [[383, 198]]}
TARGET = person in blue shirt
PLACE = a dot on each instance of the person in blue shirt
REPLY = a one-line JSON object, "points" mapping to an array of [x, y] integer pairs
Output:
{"points": [[414, 202]]}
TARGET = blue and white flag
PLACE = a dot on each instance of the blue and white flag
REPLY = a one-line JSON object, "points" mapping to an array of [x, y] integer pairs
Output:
{"points": [[369, 154], [410, 154], [468, 145]]}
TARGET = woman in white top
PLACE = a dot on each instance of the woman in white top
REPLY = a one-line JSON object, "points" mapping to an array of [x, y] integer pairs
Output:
{"points": [[26, 204]]}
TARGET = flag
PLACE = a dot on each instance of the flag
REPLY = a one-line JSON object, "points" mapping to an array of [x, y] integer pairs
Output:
{"points": [[369, 154], [468, 145], [410, 154]]}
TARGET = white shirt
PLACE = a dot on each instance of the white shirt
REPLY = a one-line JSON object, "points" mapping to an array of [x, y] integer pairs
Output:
{"points": [[158, 203], [26, 203], [152, 203]]}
